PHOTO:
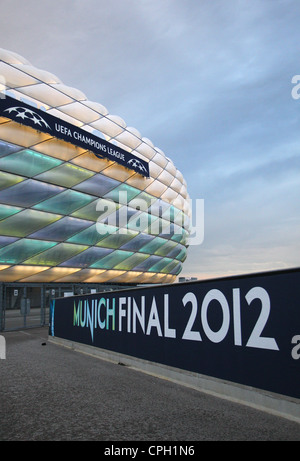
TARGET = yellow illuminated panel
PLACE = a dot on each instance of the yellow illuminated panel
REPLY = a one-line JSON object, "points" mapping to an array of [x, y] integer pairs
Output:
{"points": [[20, 134], [104, 277], [16, 273], [50, 275]]}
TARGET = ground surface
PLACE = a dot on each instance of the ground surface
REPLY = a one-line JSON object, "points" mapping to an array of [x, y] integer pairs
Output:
{"points": [[52, 393]]}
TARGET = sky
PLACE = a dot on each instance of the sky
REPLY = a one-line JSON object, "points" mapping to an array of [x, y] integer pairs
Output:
{"points": [[209, 82]]}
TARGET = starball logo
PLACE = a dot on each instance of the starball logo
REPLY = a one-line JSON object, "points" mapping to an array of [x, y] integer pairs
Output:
{"points": [[135, 163], [24, 113]]}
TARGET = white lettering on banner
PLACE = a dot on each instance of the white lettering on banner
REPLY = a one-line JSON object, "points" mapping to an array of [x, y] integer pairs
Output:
{"points": [[138, 314], [83, 138], [154, 319], [255, 340], [215, 336], [91, 142], [63, 130], [115, 153], [79, 137], [131, 316], [188, 333], [168, 332]]}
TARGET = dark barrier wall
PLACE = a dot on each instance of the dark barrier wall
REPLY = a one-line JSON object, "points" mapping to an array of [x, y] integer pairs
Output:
{"points": [[243, 329]]}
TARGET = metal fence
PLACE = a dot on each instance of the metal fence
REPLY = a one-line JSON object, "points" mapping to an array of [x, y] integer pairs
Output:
{"points": [[27, 305]]}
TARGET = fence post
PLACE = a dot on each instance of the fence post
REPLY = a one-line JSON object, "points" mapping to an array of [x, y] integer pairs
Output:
{"points": [[2, 307]]}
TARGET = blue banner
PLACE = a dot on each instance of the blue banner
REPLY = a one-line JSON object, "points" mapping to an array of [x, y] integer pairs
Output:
{"points": [[243, 329], [40, 120]]}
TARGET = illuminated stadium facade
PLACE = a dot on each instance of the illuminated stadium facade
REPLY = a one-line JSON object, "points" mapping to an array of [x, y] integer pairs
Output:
{"points": [[84, 199]]}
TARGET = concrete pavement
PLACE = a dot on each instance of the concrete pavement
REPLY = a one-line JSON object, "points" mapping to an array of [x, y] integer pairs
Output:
{"points": [[52, 393]]}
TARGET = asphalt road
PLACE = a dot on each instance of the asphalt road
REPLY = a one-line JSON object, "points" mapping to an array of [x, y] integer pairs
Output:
{"points": [[50, 393]]}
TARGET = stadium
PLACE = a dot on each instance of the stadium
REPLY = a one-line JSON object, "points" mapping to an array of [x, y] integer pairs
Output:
{"points": [[86, 202]]}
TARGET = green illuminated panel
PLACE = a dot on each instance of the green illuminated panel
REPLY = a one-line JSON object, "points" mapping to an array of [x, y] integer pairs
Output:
{"points": [[5, 240], [166, 248], [169, 267], [56, 255], [168, 231], [143, 200], [123, 194], [112, 260], [155, 225], [182, 255], [62, 229], [65, 203], [104, 230], [153, 246], [28, 162], [86, 258], [98, 185], [147, 263], [175, 252], [177, 269], [26, 222], [142, 222], [180, 235], [166, 226], [66, 175], [88, 236], [116, 240], [95, 210], [88, 212], [7, 180], [138, 242], [159, 208], [132, 262], [158, 267], [180, 218], [6, 210], [23, 249], [28, 193], [171, 213]]}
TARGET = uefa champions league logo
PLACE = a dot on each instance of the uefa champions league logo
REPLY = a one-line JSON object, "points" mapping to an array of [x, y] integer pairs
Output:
{"points": [[24, 113], [135, 163]]}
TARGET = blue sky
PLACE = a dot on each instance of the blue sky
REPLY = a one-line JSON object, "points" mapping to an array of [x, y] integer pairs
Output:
{"points": [[209, 82]]}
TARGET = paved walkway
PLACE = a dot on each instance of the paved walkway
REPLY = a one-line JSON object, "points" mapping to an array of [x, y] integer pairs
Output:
{"points": [[52, 393]]}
